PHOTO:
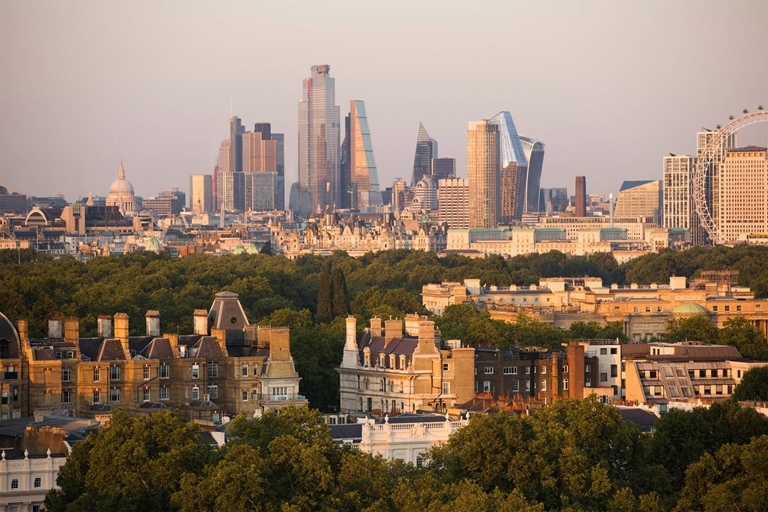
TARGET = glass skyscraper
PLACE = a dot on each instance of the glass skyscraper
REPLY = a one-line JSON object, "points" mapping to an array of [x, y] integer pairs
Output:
{"points": [[483, 162], [534, 153], [426, 150], [362, 165], [319, 134], [514, 168]]}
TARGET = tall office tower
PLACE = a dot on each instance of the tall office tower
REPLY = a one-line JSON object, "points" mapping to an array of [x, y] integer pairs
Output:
{"points": [[364, 179], [534, 153], [743, 193], [236, 130], [514, 168], [483, 166], [453, 202], [679, 210], [443, 168], [553, 200], [640, 199], [225, 195], [345, 177], [426, 150], [261, 154], [200, 193], [398, 190], [712, 181], [279, 138], [581, 196], [319, 140]]}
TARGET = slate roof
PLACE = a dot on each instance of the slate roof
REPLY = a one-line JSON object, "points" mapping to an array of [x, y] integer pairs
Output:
{"points": [[208, 347], [8, 332], [159, 348], [642, 418], [352, 431], [110, 350]]}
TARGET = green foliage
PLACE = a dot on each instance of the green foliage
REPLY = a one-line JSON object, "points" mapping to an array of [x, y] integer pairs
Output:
{"points": [[325, 299], [741, 334], [695, 328], [134, 464], [753, 386], [339, 286]]}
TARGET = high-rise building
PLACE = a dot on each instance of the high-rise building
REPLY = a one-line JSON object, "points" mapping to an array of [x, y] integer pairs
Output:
{"points": [[743, 193], [443, 168], [679, 210], [581, 196], [453, 202], [225, 179], [398, 189], [553, 200], [319, 140], [364, 179], [640, 199], [262, 153], [200, 193], [280, 139], [483, 163], [345, 177], [236, 130], [534, 153], [426, 150], [513, 170]]}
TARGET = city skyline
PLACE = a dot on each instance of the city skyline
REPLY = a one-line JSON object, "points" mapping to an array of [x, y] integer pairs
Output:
{"points": [[119, 95]]}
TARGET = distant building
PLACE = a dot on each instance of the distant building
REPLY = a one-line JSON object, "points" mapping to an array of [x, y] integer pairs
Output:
{"points": [[743, 193], [443, 168], [426, 150], [534, 153], [640, 199], [483, 161], [263, 168], [513, 170], [363, 177], [453, 202], [424, 195], [121, 194], [201, 193], [168, 203], [398, 189], [552, 200], [581, 196], [712, 178], [679, 208]]}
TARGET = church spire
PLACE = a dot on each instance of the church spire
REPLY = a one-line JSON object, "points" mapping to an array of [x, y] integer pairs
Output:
{"points": [[121, 173]]}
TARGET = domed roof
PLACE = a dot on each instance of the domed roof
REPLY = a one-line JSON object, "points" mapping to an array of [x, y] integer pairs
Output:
{"points": [[426, 183], [252, 249], [239, 249], [689, 308], [121, 185], [152, 243]]}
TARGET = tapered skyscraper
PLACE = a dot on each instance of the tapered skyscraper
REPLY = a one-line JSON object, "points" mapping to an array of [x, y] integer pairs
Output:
{"points": [[363, 177], [513, 169], [426, 150], [319, 134]]}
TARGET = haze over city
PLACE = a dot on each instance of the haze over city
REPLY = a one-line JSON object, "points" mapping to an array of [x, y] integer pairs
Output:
{"points": [[610, 88]]}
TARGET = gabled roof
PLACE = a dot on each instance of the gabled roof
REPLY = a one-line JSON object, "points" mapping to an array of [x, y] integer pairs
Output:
{"points": [[111, 350], [208, 347], [159, 348]]}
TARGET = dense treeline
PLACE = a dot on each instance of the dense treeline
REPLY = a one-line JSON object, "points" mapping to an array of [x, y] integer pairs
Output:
{"points": [[311, 294], [574, 455]]}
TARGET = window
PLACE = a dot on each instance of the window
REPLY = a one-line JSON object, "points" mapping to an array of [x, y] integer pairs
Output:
{"points": [[38, 482], [515, 386], [673, 392], [15, 483], [114, 395], [245, 395], [686, 391], [543, 385], [727, 308], [255, 396], [146, 372], [588, 368], [195, 371], [146, 394], [489, 370], [647, 391], [565, 384], [603, 351], [96, 396], [714, 372], [446, 388], [647, 309], [652, 374], [604, 377], [66, 375], [642, 373], [510, 370], [588, 382], [714, 308], [165, 393], [738, 308], [66, 396], [528, 385], [445, 367], [486, 386], [213, 392], [195, 393], [707, 390], [527, 370], [543, 370], [667, 371], [244, 370], [614, 370], [564, 369], [719, 389], [613, 350], [419, 461], [213, 370], [165, 371], [114, 373]]}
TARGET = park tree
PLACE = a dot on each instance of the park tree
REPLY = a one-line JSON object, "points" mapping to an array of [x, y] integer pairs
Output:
{"points": [[750, 340], [339, 287], [325, 299], [694, 328], [136, 463], [753, 386]]}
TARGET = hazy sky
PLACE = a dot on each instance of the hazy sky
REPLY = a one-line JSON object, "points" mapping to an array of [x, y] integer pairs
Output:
{"points": [[609, 86]]}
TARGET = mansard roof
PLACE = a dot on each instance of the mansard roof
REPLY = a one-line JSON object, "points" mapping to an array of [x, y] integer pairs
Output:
{"points": [[208, 347]]}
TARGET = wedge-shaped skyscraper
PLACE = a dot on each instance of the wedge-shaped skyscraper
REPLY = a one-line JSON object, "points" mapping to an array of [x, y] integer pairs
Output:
{"points": [[514, 169], [426, 150], [363, 181]]}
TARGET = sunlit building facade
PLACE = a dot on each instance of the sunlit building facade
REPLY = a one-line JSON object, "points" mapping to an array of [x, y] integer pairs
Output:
{"points": [[679, 210], [200, 193], [453, 202], [743, 193], [640, 199], [363, 177], [483, 162], [513, 169]]}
